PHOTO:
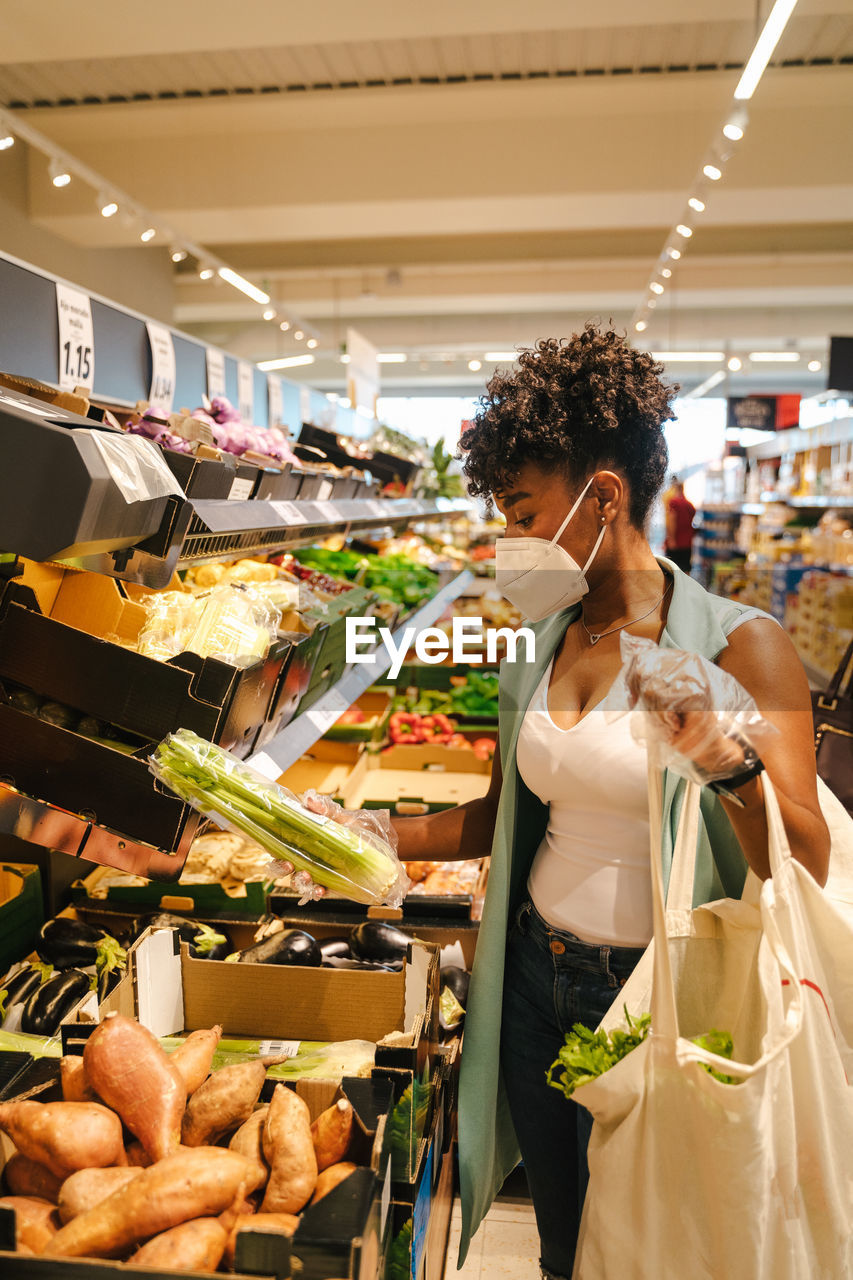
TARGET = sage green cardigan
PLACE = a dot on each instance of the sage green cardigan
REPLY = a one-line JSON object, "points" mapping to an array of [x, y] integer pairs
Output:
{"points": [[488, 1149]]}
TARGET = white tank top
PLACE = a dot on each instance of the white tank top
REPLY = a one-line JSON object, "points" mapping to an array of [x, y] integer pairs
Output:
{"points": [[590, 874]]}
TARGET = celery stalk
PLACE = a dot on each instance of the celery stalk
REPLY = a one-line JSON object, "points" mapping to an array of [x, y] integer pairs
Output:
{"points": [[227, 790]]}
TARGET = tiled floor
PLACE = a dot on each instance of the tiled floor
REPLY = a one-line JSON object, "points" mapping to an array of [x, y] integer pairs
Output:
{"points": [[505, 1248]]}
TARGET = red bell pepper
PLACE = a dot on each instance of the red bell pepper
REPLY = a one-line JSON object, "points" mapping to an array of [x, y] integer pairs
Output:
{"points": [[405, 726], [437, 728]]}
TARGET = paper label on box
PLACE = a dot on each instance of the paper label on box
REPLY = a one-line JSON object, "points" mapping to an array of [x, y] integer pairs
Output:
{"points": [[288, 511], [76, 355], [279, 1048], [325, 490], [245, 391], [385, 1203], [215, 361], [162, 392], [329, 708], [241, 489]]}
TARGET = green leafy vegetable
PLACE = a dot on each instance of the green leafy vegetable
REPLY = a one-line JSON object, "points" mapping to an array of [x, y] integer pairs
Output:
{"points": [[398, 1264], [719, 1042]]}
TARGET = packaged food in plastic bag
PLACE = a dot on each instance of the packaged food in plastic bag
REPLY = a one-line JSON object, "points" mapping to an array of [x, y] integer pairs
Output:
{"points": [[172, 619], [351, 858], [697, 719], [232, 623]]}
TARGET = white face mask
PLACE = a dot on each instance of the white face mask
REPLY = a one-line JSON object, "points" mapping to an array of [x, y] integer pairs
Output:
{"points": [[539, 577]]}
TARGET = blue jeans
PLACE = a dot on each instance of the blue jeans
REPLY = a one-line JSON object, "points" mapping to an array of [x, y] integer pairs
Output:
{"points": [[553, 980]]}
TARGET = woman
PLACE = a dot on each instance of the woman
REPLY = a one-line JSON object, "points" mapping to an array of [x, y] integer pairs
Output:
{"points": [[571, 447]]}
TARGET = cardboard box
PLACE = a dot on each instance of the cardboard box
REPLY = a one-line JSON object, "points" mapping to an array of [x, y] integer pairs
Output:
{"points": [[21, 911], [418, 1249], [326, 767], [375, 705], [417, 781], [207, 902]]}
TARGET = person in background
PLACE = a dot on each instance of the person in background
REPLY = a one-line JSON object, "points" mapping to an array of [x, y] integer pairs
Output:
{"points": [[680, 513]]}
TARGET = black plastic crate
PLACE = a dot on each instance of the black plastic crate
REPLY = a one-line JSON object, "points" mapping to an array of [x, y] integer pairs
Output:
{"points": [[202, 477], [278, 486]]}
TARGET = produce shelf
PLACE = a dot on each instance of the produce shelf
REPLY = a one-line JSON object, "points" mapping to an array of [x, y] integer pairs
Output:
{"points": [[301, 734]]}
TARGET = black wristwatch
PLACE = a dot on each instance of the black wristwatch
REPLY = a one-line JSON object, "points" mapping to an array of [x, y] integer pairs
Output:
{"points": [[753, 765]]}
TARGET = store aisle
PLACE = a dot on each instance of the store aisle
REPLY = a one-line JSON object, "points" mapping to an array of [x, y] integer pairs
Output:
{"points": [[505, 1248]]}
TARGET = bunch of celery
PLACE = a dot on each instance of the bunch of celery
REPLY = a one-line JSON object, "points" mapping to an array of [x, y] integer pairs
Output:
{"points": [[235, 796]]}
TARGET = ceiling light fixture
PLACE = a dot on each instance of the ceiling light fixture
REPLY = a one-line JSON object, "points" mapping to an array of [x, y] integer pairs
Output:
{"points": [[178, 255], [732, 131], [475, 365], [666, 273], [312, 343], [708, 385], [776, 22], [344, 359], [286, 362], [651, 303], [734, 363], [691, 357], [640, 326], [298, 335], [494, 356], [391, 357], [815, 366], [148, 234], [245, 286], [284, 326], [711, 171], [684, 230], [108, 207], [675, 254], [774, 357], [59, 175], [696, 204], [6, 141], [656, 287], [206, 273], [269, 314]]}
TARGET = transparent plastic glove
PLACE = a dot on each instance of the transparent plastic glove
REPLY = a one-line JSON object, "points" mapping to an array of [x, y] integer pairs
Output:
{"points": [[370, 823], [697, 719]]}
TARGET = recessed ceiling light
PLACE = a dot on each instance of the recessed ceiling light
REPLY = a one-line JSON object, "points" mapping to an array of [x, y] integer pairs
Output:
{"points": [[284, 326], [666, 273], [475, 365], [675, 254], [711, 171], [697, 204], [734, 363], [298, 335], [656, 287], [312, 343], [640, 326], [814, 366]]}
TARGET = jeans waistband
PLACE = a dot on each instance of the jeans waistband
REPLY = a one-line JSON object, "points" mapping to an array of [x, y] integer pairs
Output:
{"points": [[566, 949]]}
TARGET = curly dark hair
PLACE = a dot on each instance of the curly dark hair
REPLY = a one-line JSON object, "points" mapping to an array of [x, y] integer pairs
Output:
{"points": [[579, 403]]}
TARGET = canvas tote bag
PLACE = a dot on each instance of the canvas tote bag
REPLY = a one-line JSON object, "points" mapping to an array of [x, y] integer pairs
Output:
{"points": [[694, 1179]]}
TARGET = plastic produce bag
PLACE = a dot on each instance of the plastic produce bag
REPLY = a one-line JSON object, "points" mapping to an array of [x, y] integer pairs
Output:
{"points": [[680, 699], [351, 859], [232, 623]]}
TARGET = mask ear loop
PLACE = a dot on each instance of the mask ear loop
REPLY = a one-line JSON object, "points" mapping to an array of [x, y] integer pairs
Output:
{"points": [[578, 501], [594, 551]]}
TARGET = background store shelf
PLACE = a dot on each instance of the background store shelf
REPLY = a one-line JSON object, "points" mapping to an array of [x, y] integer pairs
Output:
{"points": [[301, 734]]}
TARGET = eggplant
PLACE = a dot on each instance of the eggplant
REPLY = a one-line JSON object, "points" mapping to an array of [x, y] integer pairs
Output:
{"points": [[56, 713], [204, 941], [108, 980], [19, 987], [458, 981], [23, 700], [65, 943], [338, 947], [290, 946], [374, 940], [46, 1007]]}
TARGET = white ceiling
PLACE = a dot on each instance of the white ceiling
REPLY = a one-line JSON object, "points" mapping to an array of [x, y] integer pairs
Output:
{"points": [[456, 178]]}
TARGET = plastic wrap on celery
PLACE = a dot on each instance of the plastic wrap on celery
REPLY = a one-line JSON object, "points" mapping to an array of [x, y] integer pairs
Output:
{"points": [[37, 1046], [355, 864], [313, 1059]]}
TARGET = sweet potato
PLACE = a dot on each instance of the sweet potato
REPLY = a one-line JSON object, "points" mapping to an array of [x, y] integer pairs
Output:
{"points": [[289, 1152], [194, 1057], [222, 1103], [191, 1184], [280, 1224], [36, 1221], [331, 1133], [331, 1178], [137, 1156], [76, 1086], [249, 1141], [193, 1246], [88, 1187], [134, 1076], [25, 1177], [64, 1136]]}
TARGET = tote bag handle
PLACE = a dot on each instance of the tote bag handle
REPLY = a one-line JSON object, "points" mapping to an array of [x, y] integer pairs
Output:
{"points": [[663, 1003]]}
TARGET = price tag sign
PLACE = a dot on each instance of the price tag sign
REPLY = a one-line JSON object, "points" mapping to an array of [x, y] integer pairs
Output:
{"points": [[245, 391], [215, 372], [76, 339], [329, 709], [265, 765], [275, 400], [325, 491], [288, 511], [305, 403], [329, 510], [162, 393], [241, 489]]}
